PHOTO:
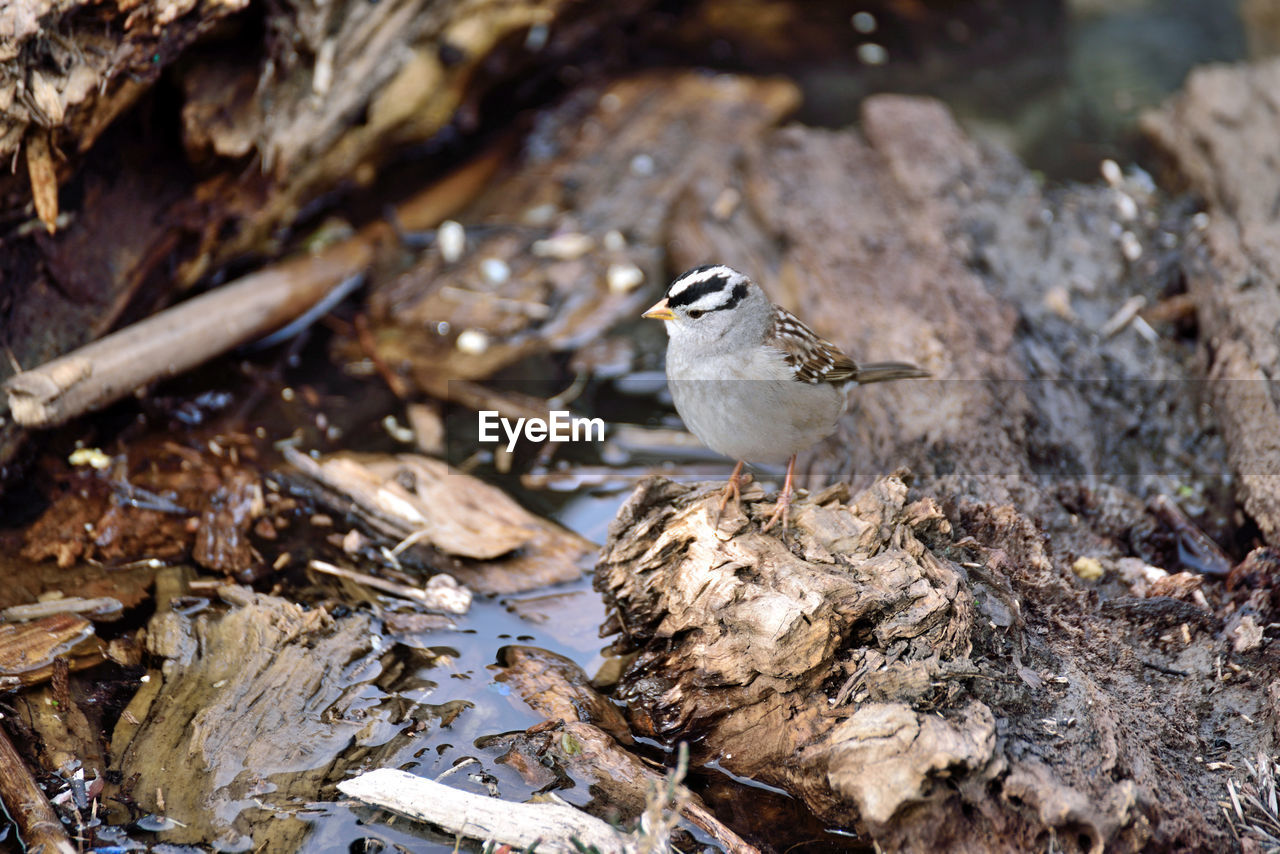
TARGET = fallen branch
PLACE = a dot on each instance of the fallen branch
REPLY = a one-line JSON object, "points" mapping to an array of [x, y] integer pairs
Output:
{"points": [[188, 334], [37, 822], [178, 339], [553, 827]]}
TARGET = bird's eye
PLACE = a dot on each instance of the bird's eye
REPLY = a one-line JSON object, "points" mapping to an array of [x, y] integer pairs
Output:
{"points": [[695, 313]]}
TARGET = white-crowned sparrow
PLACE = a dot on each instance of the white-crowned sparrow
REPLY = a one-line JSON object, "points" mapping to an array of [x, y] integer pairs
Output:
{"points": [[749, 378]]}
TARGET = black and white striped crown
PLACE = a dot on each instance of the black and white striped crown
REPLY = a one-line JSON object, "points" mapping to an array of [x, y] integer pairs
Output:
{"points": [[711, 287]]}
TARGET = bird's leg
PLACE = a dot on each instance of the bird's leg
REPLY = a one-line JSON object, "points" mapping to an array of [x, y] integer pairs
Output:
{"points": [[730, 490], [783, 508]]}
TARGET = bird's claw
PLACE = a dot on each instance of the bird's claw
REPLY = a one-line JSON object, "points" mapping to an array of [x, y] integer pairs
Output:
{"points": [[783, 508], [731, 490], [781, 511]]}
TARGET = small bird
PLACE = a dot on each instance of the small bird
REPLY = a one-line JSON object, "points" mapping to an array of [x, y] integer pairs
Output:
{"points": [[750, 379]]}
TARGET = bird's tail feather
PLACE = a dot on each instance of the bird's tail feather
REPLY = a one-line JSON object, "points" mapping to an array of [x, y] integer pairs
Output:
{"points": [[879, 372]]}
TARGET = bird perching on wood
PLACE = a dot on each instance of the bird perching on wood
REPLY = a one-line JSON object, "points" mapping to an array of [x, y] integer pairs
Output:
{"points": [[750, 379]]}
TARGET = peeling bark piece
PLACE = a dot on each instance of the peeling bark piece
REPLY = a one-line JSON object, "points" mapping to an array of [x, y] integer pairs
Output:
{"points": [[488, 542], [28, 650], [260, 708], [888, 756], [421, 498], [44, 180], [1219, 133], [127, 585]]}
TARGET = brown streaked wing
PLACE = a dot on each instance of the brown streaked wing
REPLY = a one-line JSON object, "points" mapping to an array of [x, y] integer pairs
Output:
{"points": [[814, 359]]}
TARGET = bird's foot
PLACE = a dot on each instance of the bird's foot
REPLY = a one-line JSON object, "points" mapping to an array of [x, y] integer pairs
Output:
{"points": [[731, 490], [783, 508]]}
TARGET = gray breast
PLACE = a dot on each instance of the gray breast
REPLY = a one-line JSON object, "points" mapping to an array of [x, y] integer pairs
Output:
{"points": [[751, 409]]}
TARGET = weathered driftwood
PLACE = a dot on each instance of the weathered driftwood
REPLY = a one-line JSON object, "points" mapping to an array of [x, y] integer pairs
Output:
{"points": [[476, 532], [255, 703], [404, 68], [173, 341], [1219, 134], [549, 826]]}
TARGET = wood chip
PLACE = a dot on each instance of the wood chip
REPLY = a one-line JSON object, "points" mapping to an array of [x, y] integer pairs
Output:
{"points": [[44, 177]]}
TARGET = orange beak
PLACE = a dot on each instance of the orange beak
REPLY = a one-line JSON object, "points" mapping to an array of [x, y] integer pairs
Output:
{"points": [[660, 311]]}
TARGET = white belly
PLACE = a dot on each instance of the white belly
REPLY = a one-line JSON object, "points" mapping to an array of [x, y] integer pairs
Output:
{"points": [[761, 421]]}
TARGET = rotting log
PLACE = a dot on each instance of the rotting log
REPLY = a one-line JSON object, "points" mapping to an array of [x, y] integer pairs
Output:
{"points": [[852, 669], [1219, 134], [286, 100], [1058, 407]]}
